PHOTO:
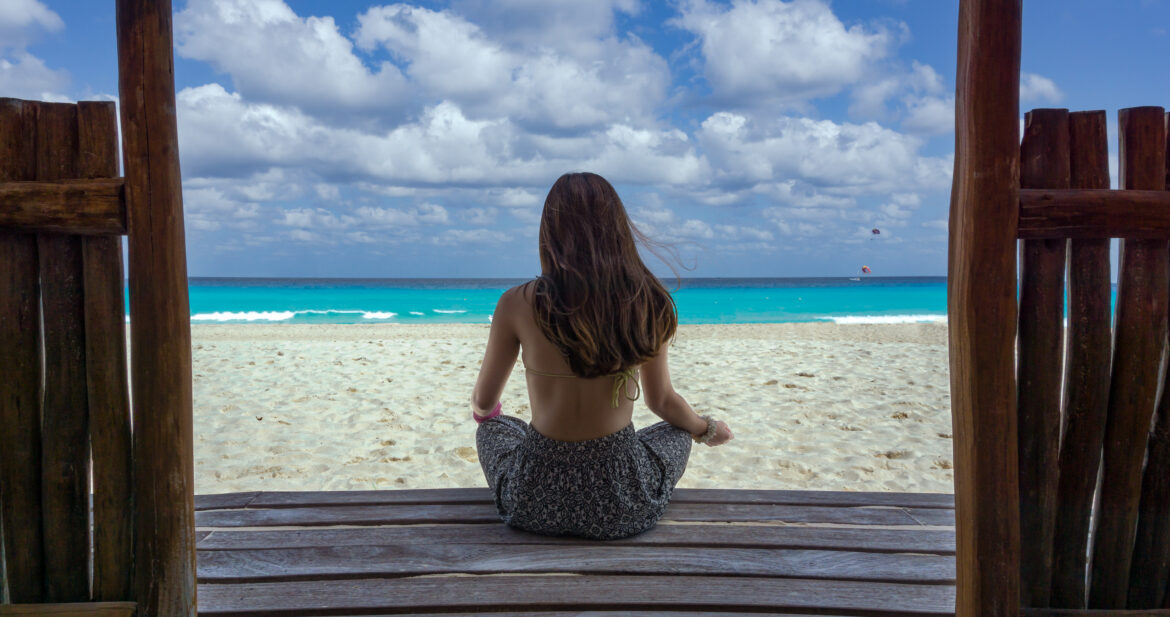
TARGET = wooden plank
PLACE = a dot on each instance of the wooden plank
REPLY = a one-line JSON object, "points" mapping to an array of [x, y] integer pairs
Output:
{"points": [[1044, 164], [1150, 574], [69, 206], [64, 416], [72, 609], [537, 593], [225, 501], [355, 562], [1138, 343], [278, 499], [684, 535], [105, 354], [624, 613], [20, 355], [1053, 612], [160, 338], [1087, 359], [1094, 213], [981, 307], [485, 513]]}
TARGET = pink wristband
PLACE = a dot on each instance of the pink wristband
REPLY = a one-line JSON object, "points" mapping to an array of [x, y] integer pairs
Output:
{"points": [[495, 412]]}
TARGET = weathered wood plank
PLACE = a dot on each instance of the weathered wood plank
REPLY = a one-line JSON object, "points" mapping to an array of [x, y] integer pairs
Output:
{"points": [[1094, 213], [981, 307], [1086, 393], [577, 593], [160, 338], [356, 562], [484, 513], [279, 499], [64, 414], [681, 535], [69, 206], [105, 354], [72, 609], [20, 355], [1054, 612], [1044, 164], [1138, 343], [1150, 574], [225, 501]]}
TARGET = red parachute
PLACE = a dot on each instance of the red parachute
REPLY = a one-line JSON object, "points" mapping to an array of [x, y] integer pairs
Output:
{"points": [[866, 270]]}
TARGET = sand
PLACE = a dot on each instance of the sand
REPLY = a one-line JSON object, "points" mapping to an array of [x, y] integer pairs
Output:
{"points": [[353, 407]]}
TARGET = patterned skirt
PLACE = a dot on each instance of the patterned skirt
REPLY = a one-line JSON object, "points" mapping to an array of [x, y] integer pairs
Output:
{"points": [[606, 488]]}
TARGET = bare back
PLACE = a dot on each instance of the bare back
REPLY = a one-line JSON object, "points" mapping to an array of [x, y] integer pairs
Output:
{"points": [[565, 408]]}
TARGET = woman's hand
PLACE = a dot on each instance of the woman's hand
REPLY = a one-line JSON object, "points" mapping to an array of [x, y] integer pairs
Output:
{"points": [[722, 434]]}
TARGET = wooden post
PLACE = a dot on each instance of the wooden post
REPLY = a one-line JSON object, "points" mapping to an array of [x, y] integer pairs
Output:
{"points": [[64, 410], [1138, 340], [981, 305], [1044, 164], [1151, 558], [20, 355], [105, 353], [160, 333], [1087, 358]]}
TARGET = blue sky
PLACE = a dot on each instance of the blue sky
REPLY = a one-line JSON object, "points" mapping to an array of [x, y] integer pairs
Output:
{"points": [[758, 137]]}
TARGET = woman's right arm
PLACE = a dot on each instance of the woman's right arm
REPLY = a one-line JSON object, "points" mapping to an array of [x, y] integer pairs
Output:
{"points": [[670, 405]]}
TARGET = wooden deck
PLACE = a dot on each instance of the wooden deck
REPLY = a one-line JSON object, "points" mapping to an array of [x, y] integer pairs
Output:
{"points": [[717, 552]]}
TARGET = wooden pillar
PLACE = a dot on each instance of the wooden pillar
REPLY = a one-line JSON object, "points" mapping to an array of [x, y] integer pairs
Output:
{"points": [[160, 334], [981, 305]]}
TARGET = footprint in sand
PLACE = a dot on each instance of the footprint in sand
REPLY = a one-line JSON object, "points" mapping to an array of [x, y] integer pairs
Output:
{"points": [[467, 454]]}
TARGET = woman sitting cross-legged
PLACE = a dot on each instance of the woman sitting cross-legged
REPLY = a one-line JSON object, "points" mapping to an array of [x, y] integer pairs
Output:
{"points": [[594, 319]]}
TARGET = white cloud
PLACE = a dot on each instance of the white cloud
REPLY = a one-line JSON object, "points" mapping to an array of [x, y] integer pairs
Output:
{"points": [[547, 86], [26, 76], [841, 159], [478, 237], [786, 52], [274, 55], [479, 216], [1037, 88], [19, 18]]}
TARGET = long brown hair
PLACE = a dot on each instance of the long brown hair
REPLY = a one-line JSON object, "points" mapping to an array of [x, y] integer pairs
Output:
{"points": [[595, 299]]}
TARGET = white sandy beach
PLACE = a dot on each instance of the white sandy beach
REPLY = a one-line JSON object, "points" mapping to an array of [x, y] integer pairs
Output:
{"points": [[813, 406]]}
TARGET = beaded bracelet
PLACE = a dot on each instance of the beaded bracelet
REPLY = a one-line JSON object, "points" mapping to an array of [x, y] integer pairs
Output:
{"points": [[480, 419], [712, 427]]}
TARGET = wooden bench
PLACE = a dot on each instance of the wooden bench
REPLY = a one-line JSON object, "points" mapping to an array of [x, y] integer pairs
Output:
{"points": [[446, 551]]}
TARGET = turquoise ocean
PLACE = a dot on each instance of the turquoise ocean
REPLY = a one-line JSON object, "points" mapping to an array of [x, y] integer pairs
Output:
{"points": [[699, 300]]}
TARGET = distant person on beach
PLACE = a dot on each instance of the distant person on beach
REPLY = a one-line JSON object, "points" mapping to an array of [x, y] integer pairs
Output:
{"points": [[585, 328]]}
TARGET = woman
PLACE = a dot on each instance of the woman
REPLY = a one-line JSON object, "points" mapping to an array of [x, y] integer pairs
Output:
{"points": [[592, 321]]}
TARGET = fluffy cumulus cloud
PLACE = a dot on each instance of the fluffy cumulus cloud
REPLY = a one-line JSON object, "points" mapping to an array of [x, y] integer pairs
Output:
{"points": [[274, 55], [1038, 89], [23, 75], [769, 51], [445, 127], [545, 86]]}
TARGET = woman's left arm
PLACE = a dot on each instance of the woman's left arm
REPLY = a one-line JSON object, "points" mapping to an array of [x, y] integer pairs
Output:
{"points": [[502, 348]]}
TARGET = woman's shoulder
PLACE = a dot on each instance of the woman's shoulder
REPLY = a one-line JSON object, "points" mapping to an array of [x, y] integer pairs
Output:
{"points": [[519, 297]]}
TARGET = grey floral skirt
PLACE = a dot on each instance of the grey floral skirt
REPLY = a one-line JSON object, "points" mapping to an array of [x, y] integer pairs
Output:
{"points": [[605, 488]]}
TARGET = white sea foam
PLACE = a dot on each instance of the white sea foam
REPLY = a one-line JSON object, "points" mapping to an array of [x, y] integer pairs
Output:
{"points": [[419, 313], [378, 315], [244, 316], [447, 312], [887, 319]]}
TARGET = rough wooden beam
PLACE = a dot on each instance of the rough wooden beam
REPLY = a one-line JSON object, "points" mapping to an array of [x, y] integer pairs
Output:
{"points": [[1094, 213], [70, 206], [161, 331], [981, 304]]}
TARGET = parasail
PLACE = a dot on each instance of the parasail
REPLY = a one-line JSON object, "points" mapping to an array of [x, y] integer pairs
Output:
{"points": [[865, 270], [876, 231]]}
